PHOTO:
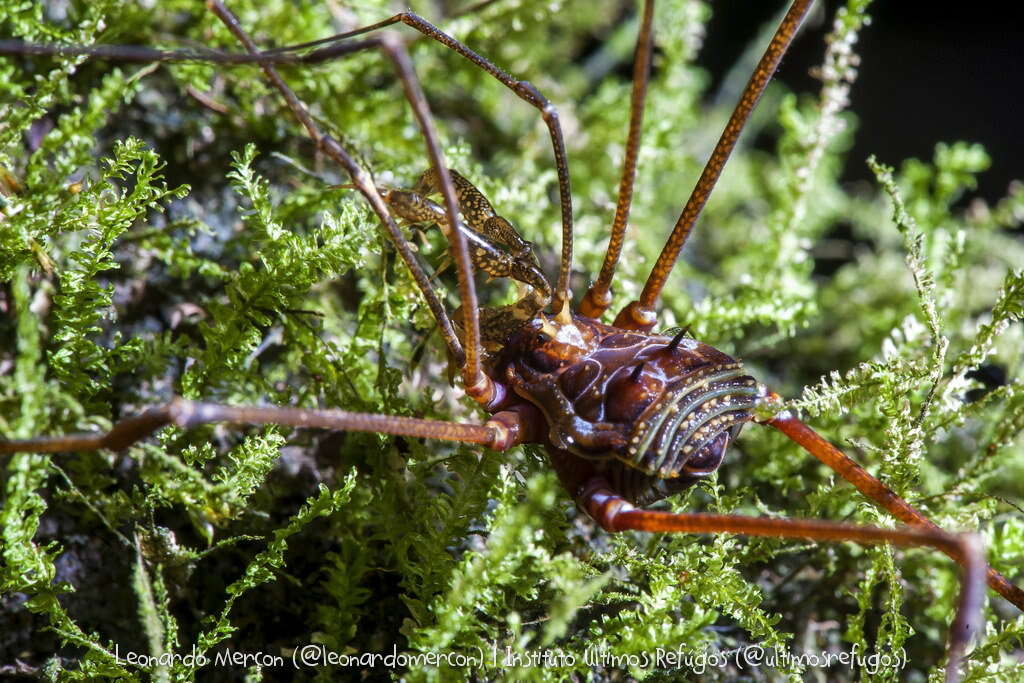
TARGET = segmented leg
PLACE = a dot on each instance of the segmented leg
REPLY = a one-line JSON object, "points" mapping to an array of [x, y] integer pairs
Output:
{"points": [[502, 431], [881, 494], [479, 216], [478, 213], [477, 384], [495, 247], [360, 179], [599, 297], [615, 513], [498, 323], [523, 89], [486, 254], [640, 315]]}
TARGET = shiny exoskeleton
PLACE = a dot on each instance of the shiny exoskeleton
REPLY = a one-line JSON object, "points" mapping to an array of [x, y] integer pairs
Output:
{"points": [[652, 414]]}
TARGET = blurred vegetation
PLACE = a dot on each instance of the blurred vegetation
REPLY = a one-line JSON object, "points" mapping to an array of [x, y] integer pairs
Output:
{"points": [[169, 230]]}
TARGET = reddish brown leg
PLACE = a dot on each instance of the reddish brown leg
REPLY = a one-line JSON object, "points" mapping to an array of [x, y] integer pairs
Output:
{"points": [[523, 89], [614, 513], [881, 494], [478, 385], [639, 315], [599, 297], [502, 431]]}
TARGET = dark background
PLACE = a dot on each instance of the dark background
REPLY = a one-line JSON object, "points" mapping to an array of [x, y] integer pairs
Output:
{"points": [[930, 72]]}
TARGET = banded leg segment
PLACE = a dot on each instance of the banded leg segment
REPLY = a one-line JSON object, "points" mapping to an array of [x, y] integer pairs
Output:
{"points": [[478, 213], [640, 315], [614, 513], [502, 431], [599, 297], [875, 490], [496, 324], [486, 254], [477, 384]]}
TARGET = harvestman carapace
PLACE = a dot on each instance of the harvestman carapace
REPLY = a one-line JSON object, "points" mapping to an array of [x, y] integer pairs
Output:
{"points": [[627, 417]]}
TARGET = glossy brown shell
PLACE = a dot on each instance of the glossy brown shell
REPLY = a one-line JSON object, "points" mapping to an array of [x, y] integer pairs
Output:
{"points": [[650, 413]]}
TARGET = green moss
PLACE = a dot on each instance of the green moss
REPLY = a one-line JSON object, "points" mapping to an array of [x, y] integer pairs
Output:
{"points": [[259, 282]]}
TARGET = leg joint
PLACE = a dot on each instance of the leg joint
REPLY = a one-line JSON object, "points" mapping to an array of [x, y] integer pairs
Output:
{"points": [[602, 504]]}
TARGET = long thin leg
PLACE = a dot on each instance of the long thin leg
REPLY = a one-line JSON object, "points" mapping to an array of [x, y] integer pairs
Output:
{"points": [[360, 179], [614, 513], [477, 384], [523, 89], [640, 315], [284, 55], [502, 431], [881, 494], [599, 297], [142, 54]]}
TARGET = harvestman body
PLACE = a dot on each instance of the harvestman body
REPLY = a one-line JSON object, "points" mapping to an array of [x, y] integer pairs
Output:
{"points": [[627, 417]]}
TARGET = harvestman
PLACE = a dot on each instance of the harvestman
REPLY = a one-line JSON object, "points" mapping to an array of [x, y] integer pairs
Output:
{"points": [[627, 417]]}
